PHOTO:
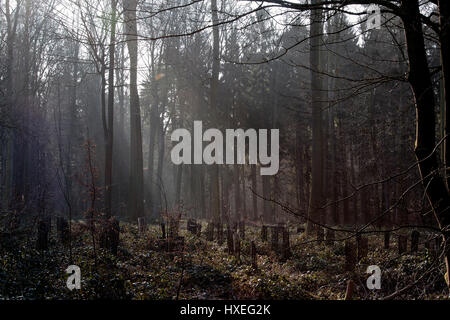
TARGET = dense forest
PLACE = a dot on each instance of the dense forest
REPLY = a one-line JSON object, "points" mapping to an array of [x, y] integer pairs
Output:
{"points": [[95, 93]]}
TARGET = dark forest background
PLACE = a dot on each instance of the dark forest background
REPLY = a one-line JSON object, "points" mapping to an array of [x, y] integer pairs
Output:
{"points": [[90, 92]]}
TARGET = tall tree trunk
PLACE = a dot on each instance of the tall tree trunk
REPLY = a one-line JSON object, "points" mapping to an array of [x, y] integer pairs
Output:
{"points": [[154, 119], [136, 163], [110, 122], [444, 23], [214, 105], [315, 213], [11, 26], [420, 81]]}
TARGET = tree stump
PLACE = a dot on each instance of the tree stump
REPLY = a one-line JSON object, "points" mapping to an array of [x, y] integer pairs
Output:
{"points": [[220, 233], [286, 248], [274, 239], [254, 255], [62, 229], [363, 247], [402, 243], [114, 235], [237, 246], [350, 255], [387, 238], [210, 232], [163, 230], [329, 237], [43, 229], [230, 244], [242, 229], [320, 234], [193, 227], [142, 225], [173, 226], [415, 236], [264, 233], [350, 290]]}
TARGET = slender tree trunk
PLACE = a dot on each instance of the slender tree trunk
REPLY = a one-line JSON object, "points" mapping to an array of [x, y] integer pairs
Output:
{"points": [[214, 105], [315, 213], [254, 196], [237, 193], [136, 162], [154, 119], [266, 186], [110, 122], [444, 23], [11, 27], [244, 195]]}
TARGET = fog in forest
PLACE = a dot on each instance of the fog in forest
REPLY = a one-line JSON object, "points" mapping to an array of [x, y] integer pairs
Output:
{"points": [[289, 137]]}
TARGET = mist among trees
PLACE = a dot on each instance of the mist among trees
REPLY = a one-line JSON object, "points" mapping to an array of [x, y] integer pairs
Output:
{"points": [[91, 92]]}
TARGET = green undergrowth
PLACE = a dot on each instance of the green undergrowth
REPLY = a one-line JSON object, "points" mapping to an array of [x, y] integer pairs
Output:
{"points": [[205, 270]]}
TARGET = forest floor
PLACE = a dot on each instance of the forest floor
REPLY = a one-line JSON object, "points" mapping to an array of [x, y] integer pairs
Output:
{"points": [[205, 270]]}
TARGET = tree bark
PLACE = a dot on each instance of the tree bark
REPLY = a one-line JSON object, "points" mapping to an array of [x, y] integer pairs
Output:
{"points": [[214, 105], [136, 162], [420, 81], [110, 122], [315, 213]]}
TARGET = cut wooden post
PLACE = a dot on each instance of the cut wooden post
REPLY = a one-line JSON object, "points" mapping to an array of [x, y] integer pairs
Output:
{"points": [[363, 247], [242, 229], [274, 239], [173, 227], [329, 237], [415, 236], [254, 255], [237, 246], [230, 244], [264, 233], [387, 237], [142, 225], [220, 233], [163, 230], [350, 255], [62, 228], [114, 235], [286, 248], [192, 226], [210, 232], [402, 243], [199, 229], [320, 234], [235, 226], [43, 229], [350, 290]]}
